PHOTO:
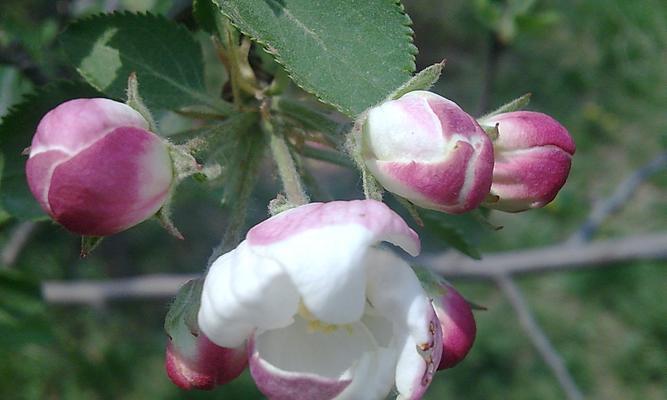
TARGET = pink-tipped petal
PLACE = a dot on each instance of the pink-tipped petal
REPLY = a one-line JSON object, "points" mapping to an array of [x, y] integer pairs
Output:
{"points": [[396, 293], [322, 243], [283, 371], [76, 124]]}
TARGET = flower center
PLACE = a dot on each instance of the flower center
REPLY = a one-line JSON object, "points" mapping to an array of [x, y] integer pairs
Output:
{"points": [[315, 325]]}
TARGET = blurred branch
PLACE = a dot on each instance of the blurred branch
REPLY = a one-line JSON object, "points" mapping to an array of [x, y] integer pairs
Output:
{"points": [[16, 242], [552, 258], [99, 292], [619, 198], [537, 336]]}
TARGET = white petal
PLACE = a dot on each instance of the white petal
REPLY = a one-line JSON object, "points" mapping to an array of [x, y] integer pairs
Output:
{"points": [[243, 291], [404, 130], [396, 293], [321, 247], [298, 363]]}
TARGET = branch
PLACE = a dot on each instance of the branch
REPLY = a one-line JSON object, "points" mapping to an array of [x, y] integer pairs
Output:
{"points": [[537, 336], [159, 286], [622, 194], [17, 241], [552, 258], [495, 265]]}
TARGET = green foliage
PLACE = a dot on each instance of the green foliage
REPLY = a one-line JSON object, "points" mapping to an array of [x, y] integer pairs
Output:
{"points": [[204, 12], [455, 230], [107, 48], [351, 54], [16, 132], [22, 312]]}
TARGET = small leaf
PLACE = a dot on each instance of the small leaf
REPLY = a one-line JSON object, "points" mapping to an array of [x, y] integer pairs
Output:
{"points": [[183, 311], [351, 54], [107, 48], [424, 80], [448, 228], [16, 131], [514, 105]]}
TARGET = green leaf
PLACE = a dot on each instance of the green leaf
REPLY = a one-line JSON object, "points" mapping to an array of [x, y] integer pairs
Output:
{"points": [[351, 54], [514, 105], [204, 12], [107, 48], [424, 80], [451, 229], [16, 131], [23, 316]]}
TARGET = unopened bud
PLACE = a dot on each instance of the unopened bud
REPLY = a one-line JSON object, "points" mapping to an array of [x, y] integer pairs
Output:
{"points": [[427, 149], [95, 168]]}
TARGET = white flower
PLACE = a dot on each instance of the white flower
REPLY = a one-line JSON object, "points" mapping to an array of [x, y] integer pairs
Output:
{"points": [[326, 315]]}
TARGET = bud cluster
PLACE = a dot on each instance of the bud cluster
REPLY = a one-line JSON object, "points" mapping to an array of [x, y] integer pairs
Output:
{"points": [[428, 150]]}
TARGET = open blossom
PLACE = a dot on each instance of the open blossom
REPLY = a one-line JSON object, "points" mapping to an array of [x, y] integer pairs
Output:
{"points": [[425, 148], [95, 168], [533, 156], [325, 314]]}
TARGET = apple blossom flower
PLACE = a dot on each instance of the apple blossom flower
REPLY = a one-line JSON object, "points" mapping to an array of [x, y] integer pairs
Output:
{"points": [[457, 323], [95, 168], [425, 148], [533, 156], [326, 315]]}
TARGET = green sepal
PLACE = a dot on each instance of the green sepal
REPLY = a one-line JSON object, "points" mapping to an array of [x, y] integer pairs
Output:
{"points": [[88, 244], [423, 80]]}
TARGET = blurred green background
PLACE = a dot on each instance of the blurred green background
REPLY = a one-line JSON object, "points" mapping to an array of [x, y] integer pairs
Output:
{"points": [[598, 66]]}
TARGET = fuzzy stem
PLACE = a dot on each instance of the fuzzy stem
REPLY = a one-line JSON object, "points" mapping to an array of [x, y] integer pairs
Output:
{"points": [[289, 175]]}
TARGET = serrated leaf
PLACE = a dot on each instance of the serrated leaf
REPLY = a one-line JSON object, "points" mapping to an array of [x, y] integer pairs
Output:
{"points": [[449, 228], [107, 48], [351, 54], [424, 80], [16, 131], [514, 105]]}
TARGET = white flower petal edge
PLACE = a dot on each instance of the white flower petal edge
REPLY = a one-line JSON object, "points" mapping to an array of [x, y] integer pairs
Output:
{"points": [[326, 315]]}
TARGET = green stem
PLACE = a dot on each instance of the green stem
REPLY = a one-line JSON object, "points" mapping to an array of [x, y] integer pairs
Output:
{"points": [[289, 175]]}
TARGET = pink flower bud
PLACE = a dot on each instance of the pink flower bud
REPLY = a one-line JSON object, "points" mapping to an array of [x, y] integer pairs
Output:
{"points": [[458, 326], [427, 149], [96, 169], [533, 156], [203, 365]]}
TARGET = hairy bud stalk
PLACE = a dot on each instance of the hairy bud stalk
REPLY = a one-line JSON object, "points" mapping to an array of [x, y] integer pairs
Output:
{"points": [[95, 168]]}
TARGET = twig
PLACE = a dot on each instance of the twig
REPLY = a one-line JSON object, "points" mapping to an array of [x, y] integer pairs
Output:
{"points": [[552, 258], [493, 266], [619, 198], [17, 241], [99, 292], [537, 336]]}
